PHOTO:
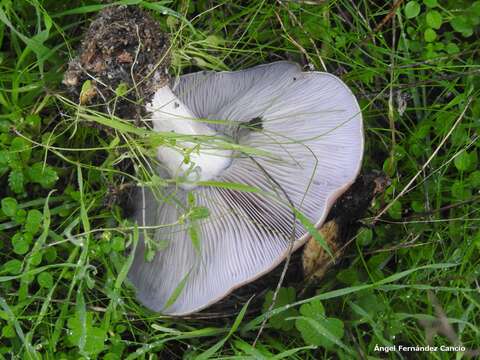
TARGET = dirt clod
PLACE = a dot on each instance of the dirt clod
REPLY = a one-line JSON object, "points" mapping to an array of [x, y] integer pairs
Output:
{"points": [[123, 45]]}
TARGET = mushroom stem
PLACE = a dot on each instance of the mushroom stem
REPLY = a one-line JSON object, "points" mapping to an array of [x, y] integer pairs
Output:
{"points": [[170, 114]]}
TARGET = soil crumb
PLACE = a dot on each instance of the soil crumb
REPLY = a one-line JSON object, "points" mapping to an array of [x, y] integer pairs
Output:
{"points": [[123, 59]]}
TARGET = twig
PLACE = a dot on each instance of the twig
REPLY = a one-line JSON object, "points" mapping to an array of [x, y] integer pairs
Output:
{"points": [[440, 78], [389, 16], [292, 40], [391, 111], [443, 208], [462, 54], [382, 23], [299, 24]]}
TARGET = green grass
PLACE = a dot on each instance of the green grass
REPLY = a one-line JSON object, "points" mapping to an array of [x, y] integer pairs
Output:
{"points": [[411, 275]]}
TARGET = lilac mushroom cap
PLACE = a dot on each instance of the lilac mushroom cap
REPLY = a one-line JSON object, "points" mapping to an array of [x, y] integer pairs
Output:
{"points": [[309, 123]]}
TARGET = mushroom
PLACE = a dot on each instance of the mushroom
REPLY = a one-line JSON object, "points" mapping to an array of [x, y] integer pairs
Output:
{"points": [[306, 136]]}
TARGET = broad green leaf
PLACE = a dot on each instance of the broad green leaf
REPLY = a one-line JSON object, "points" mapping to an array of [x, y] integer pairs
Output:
{"points": [[429, 35], [42, 174], [36, 258], [462, 161], [365, 237], [452, 48], [23, 291], [45, 279], [475, 8], [325, 333], [20, 244], [33, 120], [9, 206], [33, 222], [285, 297], [16, 181], [13, 267], [89, 339], [430, 3], [461, 24], [370, 303], [460, 191], [349, 276], [466, 161], [345, 291], [412, 9], [316, 329], [434, 19], [21, 147], [121, 89], [118, 243], [8, 332], [474, 178], [395, 211]]}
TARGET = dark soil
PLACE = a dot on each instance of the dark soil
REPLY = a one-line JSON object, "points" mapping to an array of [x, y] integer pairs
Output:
{"points": [[123, 52]]}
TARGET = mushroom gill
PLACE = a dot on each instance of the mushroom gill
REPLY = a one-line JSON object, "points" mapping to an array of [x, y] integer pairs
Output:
{"points": [[311, 130]]}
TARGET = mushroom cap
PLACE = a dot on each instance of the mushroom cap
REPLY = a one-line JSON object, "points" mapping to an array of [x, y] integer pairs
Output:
{"points": [[311, 125]]}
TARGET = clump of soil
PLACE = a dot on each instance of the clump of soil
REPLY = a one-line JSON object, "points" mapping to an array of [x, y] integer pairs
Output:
{"points": [[123, 52]]}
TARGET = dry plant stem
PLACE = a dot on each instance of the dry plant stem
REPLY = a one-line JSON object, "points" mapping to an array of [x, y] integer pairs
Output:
{"points": [[378, 27], [430, 81], [464, 219], [384, 21], [405, 189], [462, 54], [354, 6], [300, 47], [378, 93], [389, 16], [391, 110], [443, 208], [472, 142], [299, 24], [409, 244], [135, 61], [441, 326]]}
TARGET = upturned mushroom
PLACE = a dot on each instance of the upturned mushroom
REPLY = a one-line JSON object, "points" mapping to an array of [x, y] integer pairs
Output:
{"points": [[306, 128], [270, 150]]}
